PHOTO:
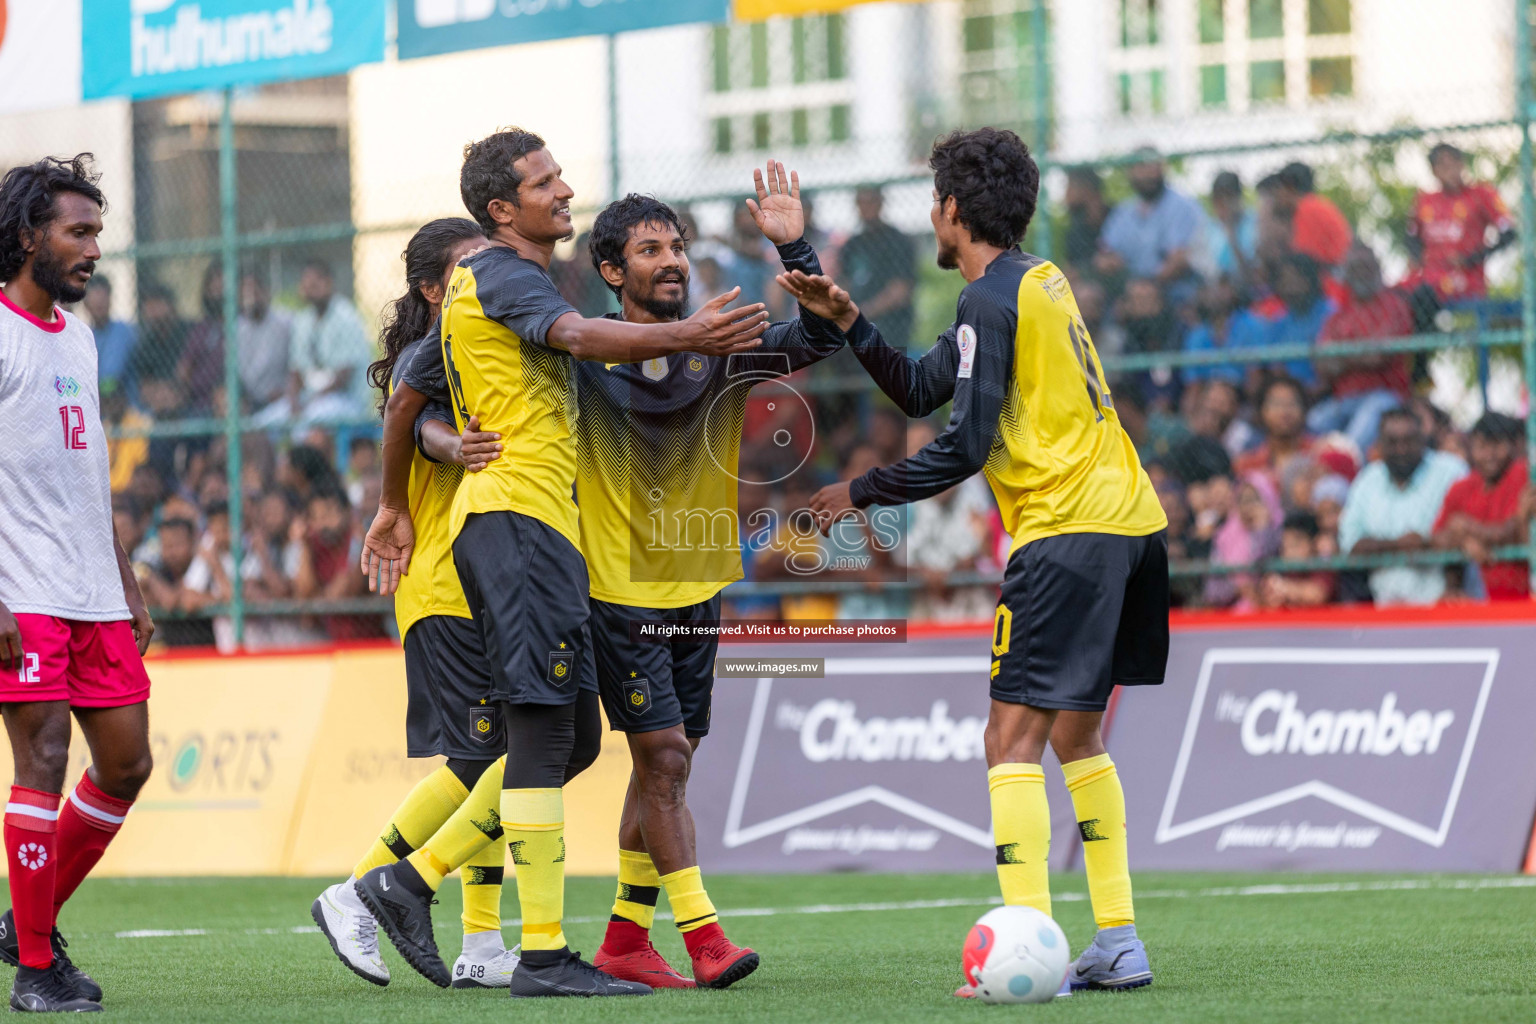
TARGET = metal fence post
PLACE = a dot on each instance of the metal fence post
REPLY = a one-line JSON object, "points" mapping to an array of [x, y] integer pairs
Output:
{"points": [[1523, 104], [1037, 30], [613, 117], [229, 227]]}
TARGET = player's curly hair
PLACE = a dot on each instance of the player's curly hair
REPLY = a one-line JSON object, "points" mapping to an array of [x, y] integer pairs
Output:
{"points": [[27, 206], [994, 180], [488, 172], [409, 317], [610, 232]]}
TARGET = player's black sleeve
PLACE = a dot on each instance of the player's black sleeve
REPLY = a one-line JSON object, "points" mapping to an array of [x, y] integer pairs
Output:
{"points": [[803, 341], [434, 410], [980, 389], [518, 294], [917, 386], [421, 367]]}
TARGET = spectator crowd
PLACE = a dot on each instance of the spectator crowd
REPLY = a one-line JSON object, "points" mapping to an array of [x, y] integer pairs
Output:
{"points": [[1259, 464]]}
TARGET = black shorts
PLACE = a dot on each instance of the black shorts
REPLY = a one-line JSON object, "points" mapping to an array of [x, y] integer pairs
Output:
{"points": [[527, 588], [647, 686], [1080, 614], [450, 708]]}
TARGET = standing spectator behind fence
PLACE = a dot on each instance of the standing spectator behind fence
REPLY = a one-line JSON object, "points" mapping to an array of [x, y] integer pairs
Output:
{"points": [[265, 336], [1319, 229], [1087, 210], [162, 335], [1155, 235], [328, 357], [1392, 508], [1233, 233], [1484, 510], [1363, 387], [201, 367], [115, 339], [1449, 230], [879, 266]]}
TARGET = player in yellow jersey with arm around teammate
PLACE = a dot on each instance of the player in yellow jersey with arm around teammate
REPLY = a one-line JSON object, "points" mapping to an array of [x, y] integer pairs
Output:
{"points": [[448, 678], [1084, 603], [507, 341]]}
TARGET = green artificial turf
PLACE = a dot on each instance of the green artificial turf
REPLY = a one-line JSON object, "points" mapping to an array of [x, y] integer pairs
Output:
{"points": [[1355, 949]]}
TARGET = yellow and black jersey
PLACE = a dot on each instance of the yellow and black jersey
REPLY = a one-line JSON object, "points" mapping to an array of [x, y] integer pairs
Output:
{"points": [[496, 315], [1030, 408], [659, 445], [432, 586]]}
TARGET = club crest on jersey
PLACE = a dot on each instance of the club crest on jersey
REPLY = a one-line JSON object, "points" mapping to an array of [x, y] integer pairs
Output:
{"points": [[67, 387], [695, 368], [482, 725], [637, 696], [562, 665], [965, 337], [655, 369]]}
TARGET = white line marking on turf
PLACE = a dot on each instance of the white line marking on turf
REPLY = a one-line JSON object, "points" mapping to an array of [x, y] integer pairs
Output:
{"points": [[1213, 892]]}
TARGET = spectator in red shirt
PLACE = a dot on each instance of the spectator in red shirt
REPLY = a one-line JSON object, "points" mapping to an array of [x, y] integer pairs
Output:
{"points": [[1483, 510], [1361, 388], [1452, 232], [327, 567], [1318, 228]]}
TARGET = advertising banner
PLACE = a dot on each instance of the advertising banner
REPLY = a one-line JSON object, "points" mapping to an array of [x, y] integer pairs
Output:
{"points": [[39, 54], [430, 27], [877, 766], [1377, 749], [756, 10], [150, 47]]}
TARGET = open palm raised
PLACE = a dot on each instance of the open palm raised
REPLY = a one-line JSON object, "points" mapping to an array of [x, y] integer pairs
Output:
{"points": [[777, 209]]}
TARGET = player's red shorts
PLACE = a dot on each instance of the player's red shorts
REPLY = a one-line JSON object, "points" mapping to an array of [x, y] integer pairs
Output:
{"points": [[89, 664]]}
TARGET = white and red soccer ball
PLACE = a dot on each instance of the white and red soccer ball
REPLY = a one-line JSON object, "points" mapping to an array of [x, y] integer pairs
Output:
{"points": [[1016, 955]]}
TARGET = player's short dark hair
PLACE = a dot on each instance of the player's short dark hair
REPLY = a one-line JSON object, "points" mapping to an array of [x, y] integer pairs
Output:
{"points": [[994, 180], [1495, 426], [1443, 149], [488, 171], [1301, 521], [610, 232], [27, 202], [1298, 176]]}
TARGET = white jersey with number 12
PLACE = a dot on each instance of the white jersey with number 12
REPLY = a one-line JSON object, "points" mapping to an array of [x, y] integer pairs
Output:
{"points": [[57, 556]]}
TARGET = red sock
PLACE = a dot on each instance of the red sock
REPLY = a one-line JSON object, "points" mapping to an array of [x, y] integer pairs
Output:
{"points": [[87, 823], [31, 821], [625, 936], [697, 938]]}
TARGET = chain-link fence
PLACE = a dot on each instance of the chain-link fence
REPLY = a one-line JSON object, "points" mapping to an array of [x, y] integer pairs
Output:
{"points": [[1283, 221]]}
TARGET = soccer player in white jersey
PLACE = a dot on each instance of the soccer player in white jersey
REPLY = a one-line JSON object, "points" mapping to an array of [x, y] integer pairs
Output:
{"points": [[73, 626]]}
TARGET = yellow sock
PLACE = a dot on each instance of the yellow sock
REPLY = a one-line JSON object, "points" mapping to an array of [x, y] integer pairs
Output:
{"points": [[422, 813], [1021, 828], [638, 886], [534, 820], [1100, 805], [481, 879], [468, 831], [691, 908]]}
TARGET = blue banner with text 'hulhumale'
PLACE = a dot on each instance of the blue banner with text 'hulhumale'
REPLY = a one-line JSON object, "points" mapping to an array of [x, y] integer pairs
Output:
{"points": [[441, 26], [150, 47]]}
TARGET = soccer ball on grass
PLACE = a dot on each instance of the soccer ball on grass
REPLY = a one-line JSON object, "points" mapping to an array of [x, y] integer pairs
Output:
{"points": [[1016, 955]]}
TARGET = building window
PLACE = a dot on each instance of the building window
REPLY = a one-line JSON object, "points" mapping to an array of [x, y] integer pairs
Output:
{"points": [[779, 83], [997, 69], [1257, 53], [1139, 60]]}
